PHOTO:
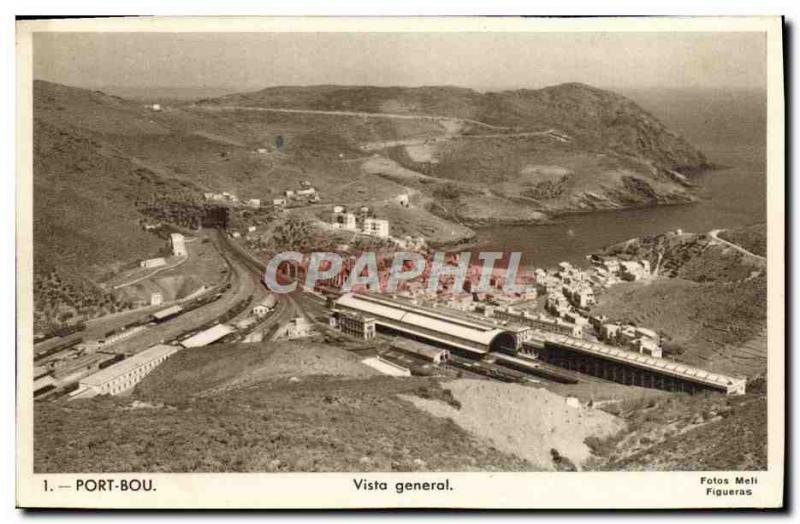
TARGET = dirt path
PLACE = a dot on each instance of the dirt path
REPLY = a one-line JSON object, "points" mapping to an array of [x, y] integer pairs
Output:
{"points": [[375, 146]]}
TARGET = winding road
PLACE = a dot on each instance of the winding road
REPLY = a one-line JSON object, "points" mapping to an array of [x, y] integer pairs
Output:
{"points": [[715, 235], [361, 114]]}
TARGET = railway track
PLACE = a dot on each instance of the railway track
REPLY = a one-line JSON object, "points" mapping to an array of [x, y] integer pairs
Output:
{"points": [[286, 307]]}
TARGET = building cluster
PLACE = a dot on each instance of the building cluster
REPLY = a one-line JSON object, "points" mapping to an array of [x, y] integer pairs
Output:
{"points": [[354, 323], [542, 322], [363, 221], [296, 328], [230, 198], [607, 271], [568, 292], [306, 193], [639, 339]]}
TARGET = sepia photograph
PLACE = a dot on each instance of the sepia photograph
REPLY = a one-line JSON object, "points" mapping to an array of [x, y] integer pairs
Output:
{"points": [[400, 252]]}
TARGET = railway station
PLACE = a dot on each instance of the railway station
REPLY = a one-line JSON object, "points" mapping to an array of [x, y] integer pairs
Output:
{"points": [[433, 326]]}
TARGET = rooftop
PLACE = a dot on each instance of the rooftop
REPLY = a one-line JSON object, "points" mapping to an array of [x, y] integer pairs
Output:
{"points": [[446, 324], [164, 313], [208, 336], [127, 365]]}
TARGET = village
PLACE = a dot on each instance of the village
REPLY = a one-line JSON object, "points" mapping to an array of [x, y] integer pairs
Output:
{"points": [[558, 300]]}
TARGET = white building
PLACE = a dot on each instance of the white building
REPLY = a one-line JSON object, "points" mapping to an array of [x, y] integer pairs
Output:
{"points": [[354, 324], [265, 306], [208, 336], [648, 346], [376, 227], [278, 201], [254, 202], [178, 244], [156, 299], [295, 328], [153, 262], [343, 220]]}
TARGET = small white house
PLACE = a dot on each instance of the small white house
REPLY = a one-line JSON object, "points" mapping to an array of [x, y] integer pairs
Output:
{"points": [[153, 262], [178, 244], [264, 307], [254, 202], [376, 227], [156, 299]]}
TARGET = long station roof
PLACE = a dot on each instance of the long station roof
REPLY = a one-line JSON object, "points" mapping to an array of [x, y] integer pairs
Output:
{"points": [[643, 361], [127, 365], [425, 318]]}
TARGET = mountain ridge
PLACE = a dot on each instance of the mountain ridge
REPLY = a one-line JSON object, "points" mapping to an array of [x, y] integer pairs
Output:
{"points": [[562, 105]]}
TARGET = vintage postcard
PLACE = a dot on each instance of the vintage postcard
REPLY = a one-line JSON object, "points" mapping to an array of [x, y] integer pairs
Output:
{"points": [[400, 263]]}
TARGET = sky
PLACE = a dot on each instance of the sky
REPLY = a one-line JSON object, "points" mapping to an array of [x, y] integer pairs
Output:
{"points": [[482, 61]]}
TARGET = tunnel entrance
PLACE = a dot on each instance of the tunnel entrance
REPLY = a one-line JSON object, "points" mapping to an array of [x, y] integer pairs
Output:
{"points": [[504, 343]]}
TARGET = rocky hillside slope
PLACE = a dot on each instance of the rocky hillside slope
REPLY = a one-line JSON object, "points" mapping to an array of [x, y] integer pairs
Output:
{"points": [[711, 308]]}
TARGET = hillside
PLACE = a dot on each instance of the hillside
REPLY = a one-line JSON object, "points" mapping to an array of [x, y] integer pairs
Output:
{"points": [[566, 148], [103, 166], [711, 308], [597, 117], [686, 433], [307, 406], [261, 407]]}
